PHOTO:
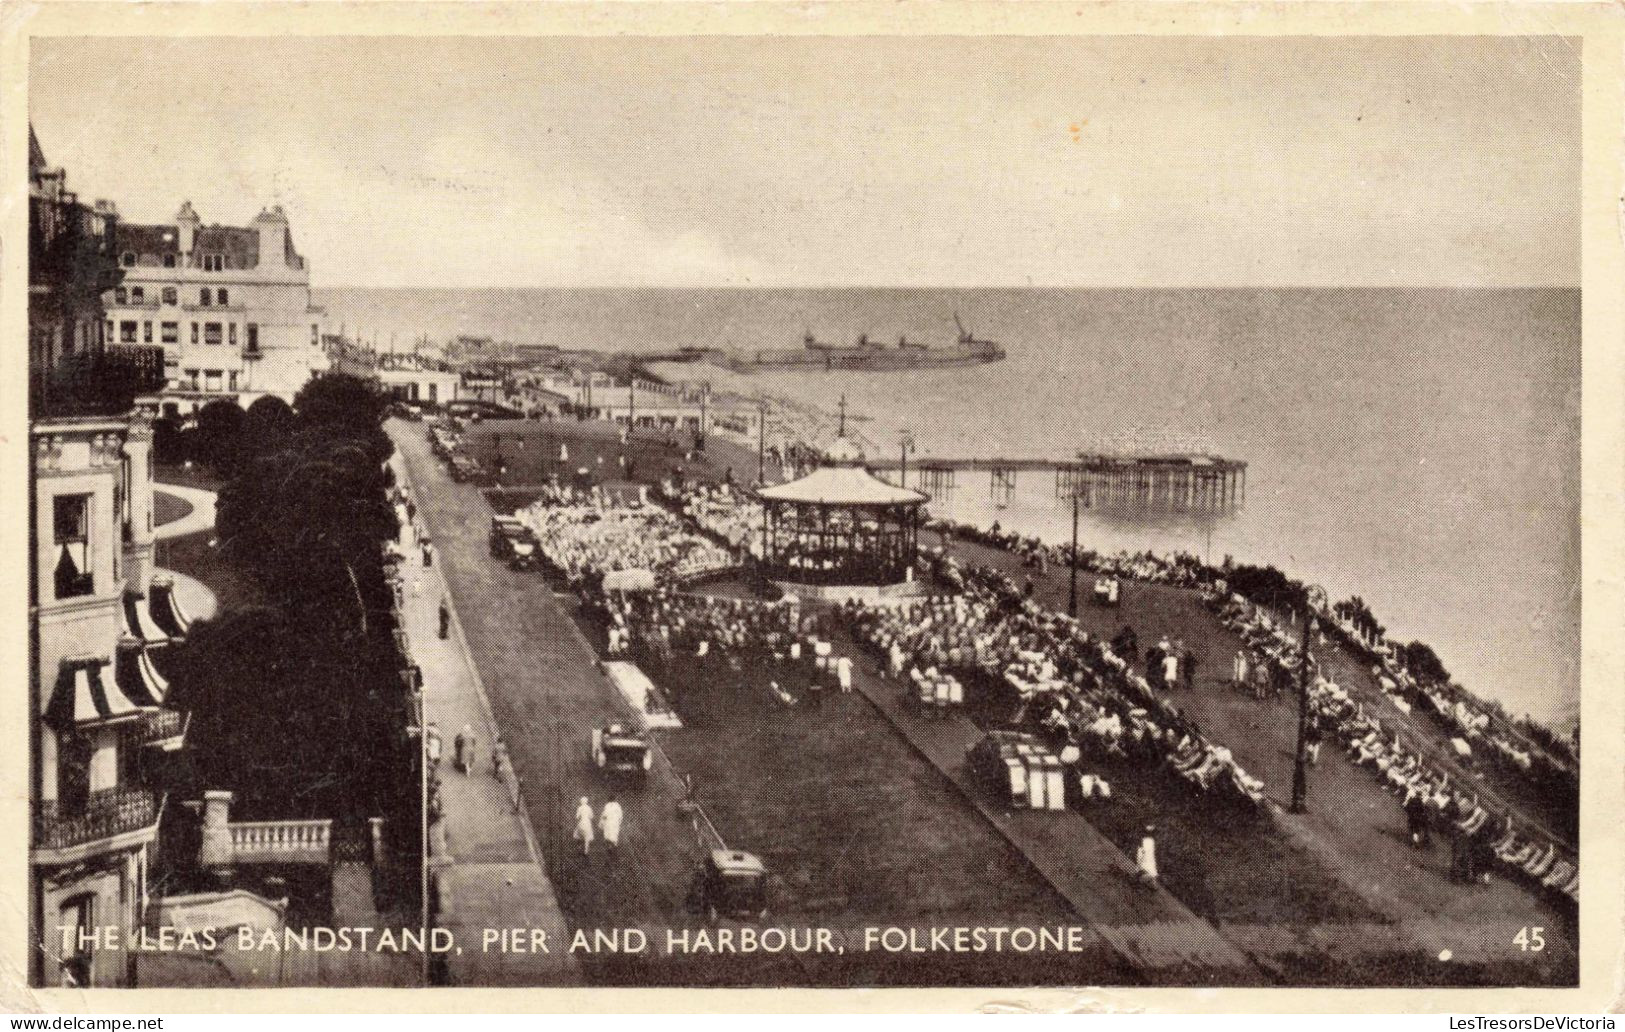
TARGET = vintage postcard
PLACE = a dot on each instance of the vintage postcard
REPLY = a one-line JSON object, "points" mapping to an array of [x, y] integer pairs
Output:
{"points": [[1084, 506]]}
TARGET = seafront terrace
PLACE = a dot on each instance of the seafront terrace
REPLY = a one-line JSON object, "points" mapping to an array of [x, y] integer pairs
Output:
{"points": [[1283, 884]]}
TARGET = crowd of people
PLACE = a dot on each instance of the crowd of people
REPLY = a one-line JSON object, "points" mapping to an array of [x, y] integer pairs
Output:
{"points": [[585, 534], [720, 509], [1350, 623], [1057, 678], [1433, 803]]}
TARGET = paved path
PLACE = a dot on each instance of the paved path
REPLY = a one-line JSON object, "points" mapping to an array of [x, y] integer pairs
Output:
{"points": [[199, 519], [490, 875], [1086, 868], [547, 693]]}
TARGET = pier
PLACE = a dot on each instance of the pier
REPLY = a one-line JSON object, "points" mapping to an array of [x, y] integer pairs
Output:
{"points": [[1183, 483]]}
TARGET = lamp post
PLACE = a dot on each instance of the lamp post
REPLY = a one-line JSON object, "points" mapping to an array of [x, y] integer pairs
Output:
{"points": [[1314, 598], [1072, 563], [761, 441], [906, 446]]}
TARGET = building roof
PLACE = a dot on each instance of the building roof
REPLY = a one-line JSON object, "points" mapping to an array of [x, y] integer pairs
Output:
{"points": [[841, 485]]}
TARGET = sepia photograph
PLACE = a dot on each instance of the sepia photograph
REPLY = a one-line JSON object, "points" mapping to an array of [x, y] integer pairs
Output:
{"points": [[804, 511]]}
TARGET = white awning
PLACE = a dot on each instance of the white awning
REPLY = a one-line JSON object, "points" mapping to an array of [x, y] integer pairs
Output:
{"points": [[138, 679], [85, 694], [138, 621]]}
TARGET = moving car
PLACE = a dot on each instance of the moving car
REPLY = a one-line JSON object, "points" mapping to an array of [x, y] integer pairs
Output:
{"points": [[622, 751]]}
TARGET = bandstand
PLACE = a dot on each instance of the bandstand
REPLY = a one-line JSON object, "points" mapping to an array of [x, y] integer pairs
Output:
{"points": [[839, 526]]}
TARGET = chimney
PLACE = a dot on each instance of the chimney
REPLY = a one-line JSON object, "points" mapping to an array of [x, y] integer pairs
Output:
{"points": [[106, 207], [273, 229], [187, 222]]}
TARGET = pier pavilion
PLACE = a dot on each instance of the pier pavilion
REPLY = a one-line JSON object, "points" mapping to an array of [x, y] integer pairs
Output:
{"points": [[839, 527]]}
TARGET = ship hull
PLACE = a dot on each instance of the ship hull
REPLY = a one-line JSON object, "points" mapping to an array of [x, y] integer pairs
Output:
{"points": [[875, 360]]}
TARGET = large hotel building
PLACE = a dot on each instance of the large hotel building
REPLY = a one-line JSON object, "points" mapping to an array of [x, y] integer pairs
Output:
{"points": [[230, 306]]}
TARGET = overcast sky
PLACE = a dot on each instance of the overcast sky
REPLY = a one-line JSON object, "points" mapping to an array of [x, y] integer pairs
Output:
{"points": [[1125, 161]]}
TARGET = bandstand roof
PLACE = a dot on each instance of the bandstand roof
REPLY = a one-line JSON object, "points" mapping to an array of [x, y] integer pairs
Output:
{"points": [[841, 485]]}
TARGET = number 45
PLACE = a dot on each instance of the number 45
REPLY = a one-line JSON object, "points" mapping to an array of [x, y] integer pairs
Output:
{"points": [[1530, 940]]}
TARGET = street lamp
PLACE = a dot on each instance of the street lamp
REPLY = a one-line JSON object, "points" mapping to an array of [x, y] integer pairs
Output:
{"points": [[1072, 562], [1314, 600], [761, 441], [907, 445]]}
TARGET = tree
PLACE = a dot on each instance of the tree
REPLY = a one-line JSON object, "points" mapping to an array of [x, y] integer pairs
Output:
{"points": [[340, 400], [270, 423], [220, 435], [1424, 663]]}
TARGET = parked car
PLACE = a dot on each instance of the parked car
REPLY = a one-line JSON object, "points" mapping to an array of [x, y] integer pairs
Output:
{"points": [[730, 884]]}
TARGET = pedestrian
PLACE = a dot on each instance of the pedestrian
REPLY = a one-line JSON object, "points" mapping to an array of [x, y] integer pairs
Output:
{"points": [[428, 554], [411, 510], [609, 824], [431, 743], [584, 821], [499, 758], [1170, 669], [1312, 740], [1239, 669], [1146, 856], [1187, 663], [1416, 819], [469, 748], [460, 744], [445, 620], [843, 673]]}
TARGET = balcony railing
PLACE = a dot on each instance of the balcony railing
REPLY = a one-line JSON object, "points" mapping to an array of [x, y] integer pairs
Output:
{"points": [[162, 726], [280, 841], [108, 813], [104, 382]]}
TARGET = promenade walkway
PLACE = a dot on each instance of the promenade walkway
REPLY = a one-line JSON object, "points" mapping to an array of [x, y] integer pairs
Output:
{"points": [[490, 874], [546, 694], [1091, 873], [200, 518], [1352, 825]]}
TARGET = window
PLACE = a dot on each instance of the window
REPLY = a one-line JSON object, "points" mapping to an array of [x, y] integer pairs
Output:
{"points": [[189, 381], [315, 334], [107, 331], [138, 295], [146, 332], [211, 333], [253, 338], [231, 380], [71, 540], [214, 262], [77, 919], [169, 333], [434, 389], [171, 296], [222, 296], [126, 331], [231, 334], [121, 296], [211, 379], [194, 333], [204, 296], [169, 261], [127, 258]]}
